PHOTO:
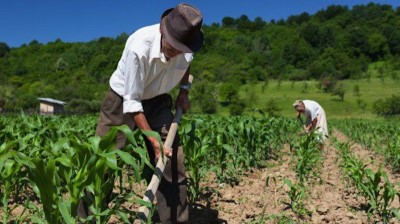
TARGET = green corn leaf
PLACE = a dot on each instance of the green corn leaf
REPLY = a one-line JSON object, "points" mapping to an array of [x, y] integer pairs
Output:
{"points": [[111, 160], [43, 177], [128, 133], [396, 212], [126, 157], [108, 141], [144, 203], [143, 155], [123, 216], [65, 207], [65, 161], [153, 134]]}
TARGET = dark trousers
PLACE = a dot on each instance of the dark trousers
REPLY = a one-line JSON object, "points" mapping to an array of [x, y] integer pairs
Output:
{"points": [[172, 192]]}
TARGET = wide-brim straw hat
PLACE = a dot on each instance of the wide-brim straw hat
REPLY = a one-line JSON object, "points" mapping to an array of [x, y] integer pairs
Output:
{"points": [[181, 26]]}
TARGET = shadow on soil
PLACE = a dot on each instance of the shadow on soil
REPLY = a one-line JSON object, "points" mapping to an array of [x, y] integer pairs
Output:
{"points": [[204, 215]]}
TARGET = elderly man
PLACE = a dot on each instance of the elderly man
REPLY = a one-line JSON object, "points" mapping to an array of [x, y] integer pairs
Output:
{"points": [[315, 116], [156, 58]]}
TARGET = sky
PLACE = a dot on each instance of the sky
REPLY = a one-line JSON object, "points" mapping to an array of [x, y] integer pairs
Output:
{"points": [[22, 21]]}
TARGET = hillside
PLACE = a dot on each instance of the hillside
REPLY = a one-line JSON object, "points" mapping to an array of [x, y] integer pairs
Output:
{"points": [[335, 44], [284, 93]]}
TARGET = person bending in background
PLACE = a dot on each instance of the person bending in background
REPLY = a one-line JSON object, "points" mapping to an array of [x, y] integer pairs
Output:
{"points": [[315, 117], [156, 58]]}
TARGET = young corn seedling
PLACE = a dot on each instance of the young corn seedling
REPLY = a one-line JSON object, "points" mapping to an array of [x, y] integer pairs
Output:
{"points": [[297, 194], [380, 195], [195, 154], [9, 175], [308, 156]]}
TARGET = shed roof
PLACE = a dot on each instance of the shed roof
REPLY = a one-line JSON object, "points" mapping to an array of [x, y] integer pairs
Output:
{"points": [[50, 100]]}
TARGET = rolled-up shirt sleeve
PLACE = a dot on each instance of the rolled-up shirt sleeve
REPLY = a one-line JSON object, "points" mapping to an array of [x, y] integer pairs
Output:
{"points": [[134, 84]]}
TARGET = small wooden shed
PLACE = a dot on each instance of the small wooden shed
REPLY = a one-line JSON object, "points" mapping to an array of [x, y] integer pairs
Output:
{"points": [[50, 106]]}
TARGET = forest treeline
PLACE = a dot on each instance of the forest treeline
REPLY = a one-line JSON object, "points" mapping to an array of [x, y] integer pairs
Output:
{"points": [[335, 43]]}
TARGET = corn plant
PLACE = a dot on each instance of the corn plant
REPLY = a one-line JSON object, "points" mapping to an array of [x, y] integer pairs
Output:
{"points": [[297, 195], [380, 136], [379, 192], [10, 170], [195, 153], [374, 186], [60, 161], [308, 156]]}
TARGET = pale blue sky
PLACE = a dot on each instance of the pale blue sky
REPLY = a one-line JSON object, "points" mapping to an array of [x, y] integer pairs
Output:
{"points": [[22, 21]]}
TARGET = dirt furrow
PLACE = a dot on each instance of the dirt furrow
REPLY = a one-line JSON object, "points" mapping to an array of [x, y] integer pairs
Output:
{"points": [[330, 201], [374, 162]]}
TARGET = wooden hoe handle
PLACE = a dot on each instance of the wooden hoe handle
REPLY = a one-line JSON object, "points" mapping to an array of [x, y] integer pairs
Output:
{"points": [[162, 161]]}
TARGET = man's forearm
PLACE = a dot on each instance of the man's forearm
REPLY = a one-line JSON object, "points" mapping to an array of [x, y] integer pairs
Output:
{"points": [[313, 123], [185, 78], [141, 121]]}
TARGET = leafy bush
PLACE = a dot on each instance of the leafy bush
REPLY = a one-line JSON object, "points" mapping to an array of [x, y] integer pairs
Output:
{"points": [[237, 108], [272, 107], [339, 90], [388, 106], [206, 97], [81, 106]]}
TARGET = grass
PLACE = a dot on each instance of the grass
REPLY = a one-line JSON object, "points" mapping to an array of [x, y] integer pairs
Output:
{"points": [[286, 92]]}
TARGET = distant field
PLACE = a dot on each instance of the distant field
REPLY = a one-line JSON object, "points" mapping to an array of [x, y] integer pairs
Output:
{"points": [[286, 92]]}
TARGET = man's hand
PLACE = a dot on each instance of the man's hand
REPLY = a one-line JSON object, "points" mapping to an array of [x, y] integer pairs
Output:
{"points": [[156, 148], [142, 123], [183, 101]]}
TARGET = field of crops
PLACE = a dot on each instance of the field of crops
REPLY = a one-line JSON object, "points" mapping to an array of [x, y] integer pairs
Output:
{"points": [[241, 170]]}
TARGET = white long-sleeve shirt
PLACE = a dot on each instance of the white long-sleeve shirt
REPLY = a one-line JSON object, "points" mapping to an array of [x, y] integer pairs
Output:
{"points": [[312, 109], [143, 71]]}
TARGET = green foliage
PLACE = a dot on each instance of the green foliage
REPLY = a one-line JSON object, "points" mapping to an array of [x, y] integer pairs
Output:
{"points": [[272, 107], [387, 106], [335, 42], [374, 186], [308, 156], [339, 90], [237, 107], [297, 194], [56, 159], [53, 159], [80, 106], [327, 84], [205, 96], [361, 104], [4, 49], [228, 92], [356, 90]]}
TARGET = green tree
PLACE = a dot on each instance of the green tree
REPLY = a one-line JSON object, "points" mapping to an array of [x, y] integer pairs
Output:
{"points": [[4, 49], [356, 42], [298, 52], [339, 90], [228, 22], [228, 92], [378, 47], [205, 97], [272, 107]]}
